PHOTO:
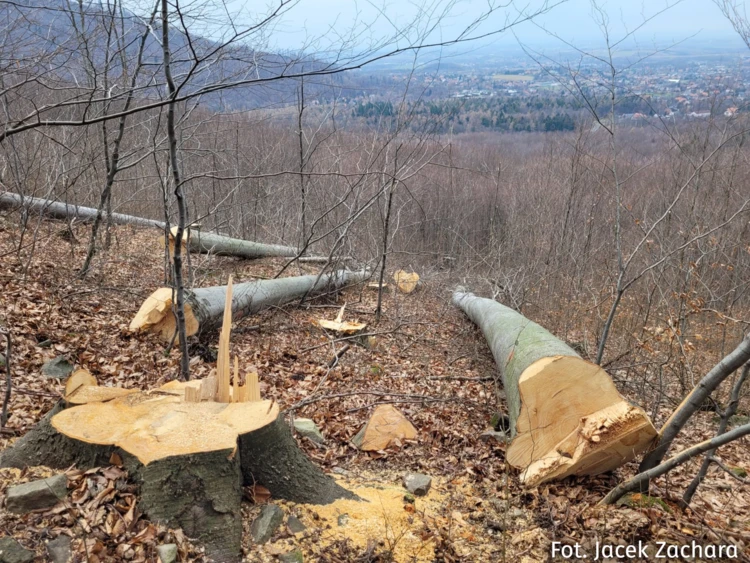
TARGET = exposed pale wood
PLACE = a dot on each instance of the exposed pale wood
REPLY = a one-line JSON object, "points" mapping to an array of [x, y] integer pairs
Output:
{"points": [[155, 426], [192, 395], [386, 425], [204, 307], [253, 387], [236, 382], [406, 282], [339, 325], [78, 379], [566, 415], [208, 388]]}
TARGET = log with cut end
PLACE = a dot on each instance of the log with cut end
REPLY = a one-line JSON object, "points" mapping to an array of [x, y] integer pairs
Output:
{"points": [[210, 243], [204, 307], [199, 242], [190, 459], [566, 415], [63, 210]]}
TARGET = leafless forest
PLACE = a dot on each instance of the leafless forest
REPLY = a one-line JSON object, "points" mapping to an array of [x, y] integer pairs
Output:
{"points": [[630, 244]]}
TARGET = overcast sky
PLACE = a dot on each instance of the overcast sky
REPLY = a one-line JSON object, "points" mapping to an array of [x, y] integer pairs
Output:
{"points": [[572, 19]]}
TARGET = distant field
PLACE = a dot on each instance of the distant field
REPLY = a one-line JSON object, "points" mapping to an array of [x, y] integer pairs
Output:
{"points": [[513, 77]]}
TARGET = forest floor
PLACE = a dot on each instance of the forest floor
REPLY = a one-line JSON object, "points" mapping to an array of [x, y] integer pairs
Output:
{"points": [[427, 359]]}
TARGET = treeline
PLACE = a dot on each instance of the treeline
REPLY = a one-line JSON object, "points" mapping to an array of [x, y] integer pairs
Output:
{"points": [[467, 115]]}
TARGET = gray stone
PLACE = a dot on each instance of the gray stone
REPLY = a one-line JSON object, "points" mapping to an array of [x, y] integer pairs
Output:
{"points": [[295, 525], [494, 435], [43, 493], [167, 553], [307, 428], [58, 549], [266, 524], [13, 552], [343, 519], [292, 557], [515, 513], [417, 483], [59, 368]]}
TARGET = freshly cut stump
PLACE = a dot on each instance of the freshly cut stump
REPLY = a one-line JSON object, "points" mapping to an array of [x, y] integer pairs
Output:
{"points": [[566, 415], [190, 458]]}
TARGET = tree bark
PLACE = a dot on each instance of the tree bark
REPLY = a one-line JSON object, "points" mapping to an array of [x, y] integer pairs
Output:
{"points": [[62, 210], [193, 483], [566, 415], [204, 307], [692, 403], [638, 482], [210, 243]]}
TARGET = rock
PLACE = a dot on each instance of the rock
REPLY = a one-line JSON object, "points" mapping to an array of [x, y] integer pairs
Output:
{"points": [[386, 425], [343, 519], [515, 513], [417, 484], [295, 525], [307, 428], [167, 553], [58, 549], [43, 493], [13, 552], [340, 471], [59, 368], [410, 498], [493, 435], [292, 557], [266, 524]]}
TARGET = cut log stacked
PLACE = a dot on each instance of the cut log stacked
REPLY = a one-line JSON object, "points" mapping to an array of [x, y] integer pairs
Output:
{"points": [[566, 415]]}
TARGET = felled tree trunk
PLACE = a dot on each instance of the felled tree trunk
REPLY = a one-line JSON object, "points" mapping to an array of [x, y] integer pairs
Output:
{"points": [[62, 210], [190, 459], [566, 416], [199, 242], [210, 243], [204, 307]]}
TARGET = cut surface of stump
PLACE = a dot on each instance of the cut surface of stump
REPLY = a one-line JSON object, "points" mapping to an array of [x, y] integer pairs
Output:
{"points": [[191, 446], [152, 426], [566, 415], [339, 325]]}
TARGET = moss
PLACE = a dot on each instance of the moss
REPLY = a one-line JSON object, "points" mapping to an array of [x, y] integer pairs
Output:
{"points": [[638, 500]]}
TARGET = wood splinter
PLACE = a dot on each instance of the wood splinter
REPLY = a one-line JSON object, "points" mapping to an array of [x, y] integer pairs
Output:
{"points": [[189, 453], [217, 388]]}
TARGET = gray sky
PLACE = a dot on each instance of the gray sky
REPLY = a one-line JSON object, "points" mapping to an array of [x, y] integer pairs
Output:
{"points": [[325, 19]]}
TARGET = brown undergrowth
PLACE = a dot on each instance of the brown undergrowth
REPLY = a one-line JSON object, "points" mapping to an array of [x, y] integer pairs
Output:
{"points": [[426, 358]]}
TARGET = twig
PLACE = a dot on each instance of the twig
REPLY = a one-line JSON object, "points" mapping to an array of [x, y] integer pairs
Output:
{"points": [[6, 398], [337, 356], [729, 471], [642, 478], [463, 378], [399, 401]]}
